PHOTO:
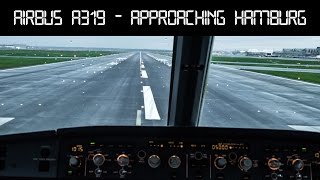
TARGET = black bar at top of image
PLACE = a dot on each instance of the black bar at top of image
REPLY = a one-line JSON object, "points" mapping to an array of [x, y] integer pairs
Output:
{"points": [[122, 25]]}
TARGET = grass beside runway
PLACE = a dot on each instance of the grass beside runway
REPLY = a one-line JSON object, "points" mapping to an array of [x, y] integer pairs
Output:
{"points": [[274, 61], [20, 58], [52, 53], [301, 76], [13, 62]]}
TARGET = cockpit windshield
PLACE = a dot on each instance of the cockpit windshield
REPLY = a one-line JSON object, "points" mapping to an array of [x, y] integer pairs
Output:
{"points": [[51, 82], [54, 82], [263, 82]]}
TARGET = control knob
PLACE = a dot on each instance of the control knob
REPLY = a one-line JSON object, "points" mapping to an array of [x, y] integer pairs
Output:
{"points": [[154, 161], [74, 161], [275, 176], [298, 176], [274, 164], [198, 155], [220, 162], [245, 163], [123, 160], [298, 164], [98, 159], [174, 161]]}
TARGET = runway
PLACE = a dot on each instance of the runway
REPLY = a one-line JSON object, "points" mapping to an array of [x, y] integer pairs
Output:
{"points": [[237, 98], [95, 91], [133, 89]]}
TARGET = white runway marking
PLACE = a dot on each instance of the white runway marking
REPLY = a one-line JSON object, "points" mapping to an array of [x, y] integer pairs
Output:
{"points": [[138, 120], [112, 63], [150, 108], [144, 74], [118, 15], [4, 120], [305, 128], [140, 58]]}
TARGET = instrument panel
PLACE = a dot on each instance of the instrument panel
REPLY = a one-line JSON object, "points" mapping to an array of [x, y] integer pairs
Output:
{"points": [[166, 153]]}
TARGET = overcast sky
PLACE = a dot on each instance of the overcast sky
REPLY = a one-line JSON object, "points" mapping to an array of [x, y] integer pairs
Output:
{"points": [[143, 42], [165, 42]]}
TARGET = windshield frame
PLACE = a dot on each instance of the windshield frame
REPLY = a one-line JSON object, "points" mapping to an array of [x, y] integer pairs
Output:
{"points": [[191, 59]]}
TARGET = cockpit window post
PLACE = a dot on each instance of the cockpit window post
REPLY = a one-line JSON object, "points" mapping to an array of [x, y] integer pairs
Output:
{"points": [[191, 57]]}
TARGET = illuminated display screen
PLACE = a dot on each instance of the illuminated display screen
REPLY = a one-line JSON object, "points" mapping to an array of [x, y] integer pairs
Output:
{"points": [[77, 148], [229, 146]]}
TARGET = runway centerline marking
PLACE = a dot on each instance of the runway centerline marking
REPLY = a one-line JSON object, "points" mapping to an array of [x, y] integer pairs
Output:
{"points": [[150, 108], [138, 120], [144, 74], [4, 120]]}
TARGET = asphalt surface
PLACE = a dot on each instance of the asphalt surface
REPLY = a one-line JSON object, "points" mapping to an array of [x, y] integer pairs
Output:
{"points": [[133, 89], [236, 98], [93, 91]]}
